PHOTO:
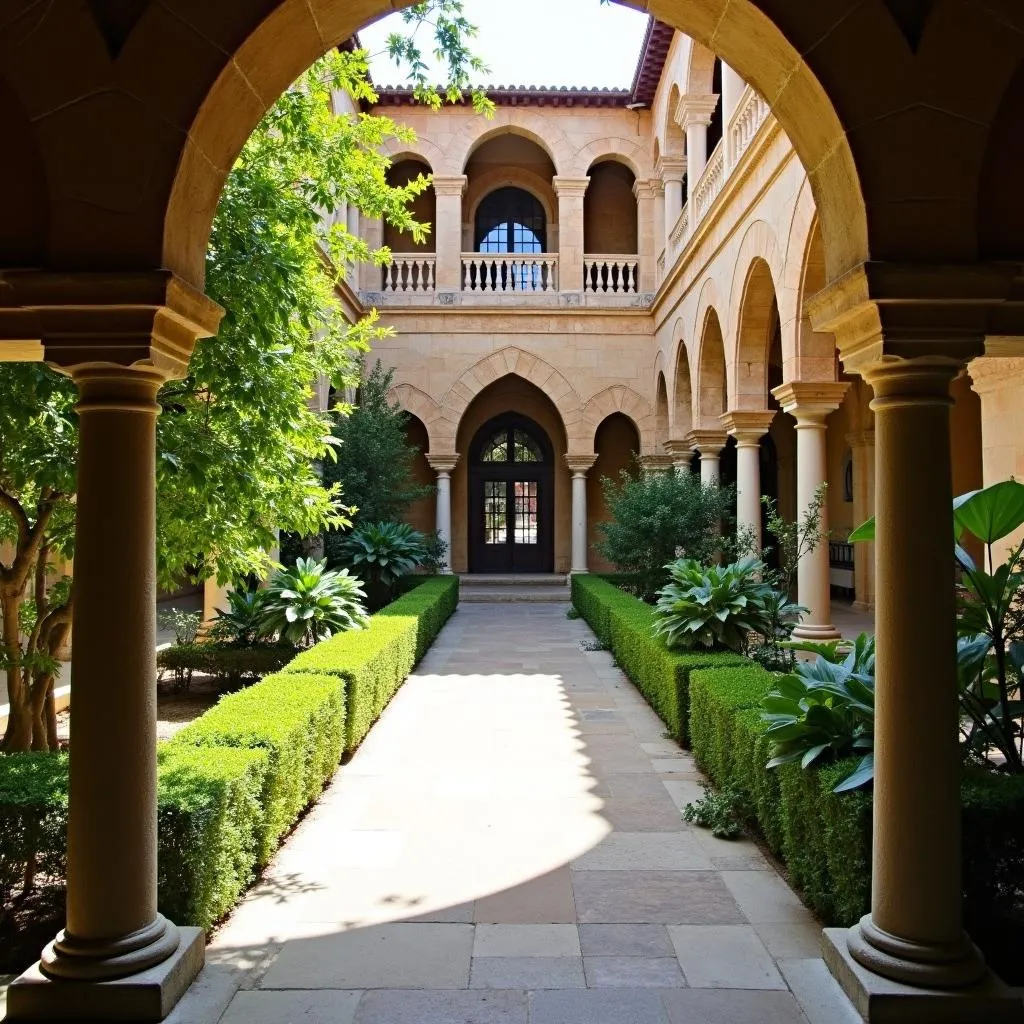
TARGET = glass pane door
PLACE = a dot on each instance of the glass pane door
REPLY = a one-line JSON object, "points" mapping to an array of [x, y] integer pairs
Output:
{"points": [[495, 512], [525, 494]]}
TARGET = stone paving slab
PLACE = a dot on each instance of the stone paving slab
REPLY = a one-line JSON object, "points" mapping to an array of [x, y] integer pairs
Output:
{"points": [[507, 847]]}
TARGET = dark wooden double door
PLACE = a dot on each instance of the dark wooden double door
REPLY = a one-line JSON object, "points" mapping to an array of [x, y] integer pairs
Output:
{"points": [[511, 498]]}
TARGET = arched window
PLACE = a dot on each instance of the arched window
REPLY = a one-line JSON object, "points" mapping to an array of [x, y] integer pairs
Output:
{"points": [[509, 220]]}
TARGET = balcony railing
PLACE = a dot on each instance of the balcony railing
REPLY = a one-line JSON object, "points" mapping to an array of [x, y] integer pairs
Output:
{"points": [[509, 273], [709, 184], [610, 274], [750, 114], [409, 272]]}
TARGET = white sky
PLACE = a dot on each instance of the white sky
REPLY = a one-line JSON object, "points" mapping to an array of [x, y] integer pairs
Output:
{"points": [[534, 42]]}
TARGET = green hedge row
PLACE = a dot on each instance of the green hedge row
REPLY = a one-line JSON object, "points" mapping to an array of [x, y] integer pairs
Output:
{"points": [[623, 624], [825, 837], [373, 663], [235, 780]]}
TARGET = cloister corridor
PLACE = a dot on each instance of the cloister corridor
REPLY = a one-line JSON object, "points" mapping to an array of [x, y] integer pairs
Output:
{"points": [[506, 847]]}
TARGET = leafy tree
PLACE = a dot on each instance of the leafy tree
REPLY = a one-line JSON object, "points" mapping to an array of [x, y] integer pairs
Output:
{"points": [[237, 443], [373, 463], [658, 518]]}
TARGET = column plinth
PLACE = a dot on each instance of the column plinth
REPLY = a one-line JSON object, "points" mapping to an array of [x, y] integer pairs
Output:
{"points": [[810, 403]]}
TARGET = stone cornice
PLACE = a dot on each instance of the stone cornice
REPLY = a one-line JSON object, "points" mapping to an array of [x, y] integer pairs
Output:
{"points": [[580, 463], [695, 110], [570, 187], [811, 400], [711, 440], [648, 188], [678, 450], [148, 319], [443, 462], [748, 426], [455, 185]]}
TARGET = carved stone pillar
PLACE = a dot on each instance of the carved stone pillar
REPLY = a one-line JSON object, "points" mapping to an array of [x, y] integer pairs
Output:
{"points": [[120, 337], [694, 115], [646, 192], [570, 192], [448, 192], [443, 465], [672, 172], [579, 465], [709, 443], [748, 427]]}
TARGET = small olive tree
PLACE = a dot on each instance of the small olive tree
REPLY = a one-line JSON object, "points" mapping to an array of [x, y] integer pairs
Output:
{"points": [[658, 518]]}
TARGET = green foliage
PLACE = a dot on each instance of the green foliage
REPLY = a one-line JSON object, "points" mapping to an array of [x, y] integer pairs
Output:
{"points": [[795, 539], [231, 665], [374, 662], [373, 463], [723, 812], [825, 710], [305, 603], [715, 606], [658, 518], [572, 613], [241, 623], [624, 625], [184, 625], [300, 721], [435, 558], [381, 553]]}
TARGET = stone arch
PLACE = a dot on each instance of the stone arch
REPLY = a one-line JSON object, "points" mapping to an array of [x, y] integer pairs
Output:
{"points": [[419, 404], [790, 285], [532, 368], [712, 393], [758, 268], [674, 144], [422, 150], [682, 387], [532, 125], [482, 185], [662, 415], [699, 70], [622, 399], [612, 147]]}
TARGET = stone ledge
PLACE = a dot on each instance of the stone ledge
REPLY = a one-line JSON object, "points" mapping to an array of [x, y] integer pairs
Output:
{"points": [[145, 997], [881, 1001]]}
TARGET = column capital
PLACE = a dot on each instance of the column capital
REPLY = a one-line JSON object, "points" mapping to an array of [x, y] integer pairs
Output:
{"points": [[656, 463], [443, 462], [146, 319], [671, 168], [648, 188], [993, 373], [569, 187], [707, 442], [811, 401], [679, 450], [748, 426], [580, 464], [451, 185], [695, 110]]}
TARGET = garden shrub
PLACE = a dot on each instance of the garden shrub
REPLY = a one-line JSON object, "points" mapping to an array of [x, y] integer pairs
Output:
{"points": [[231, 665], [300, 721], [624, 625], [750, 756], [375, 661]]}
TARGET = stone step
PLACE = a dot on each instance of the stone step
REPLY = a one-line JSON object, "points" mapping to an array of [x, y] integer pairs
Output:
{"points": [[510, 579], [490, 594]]}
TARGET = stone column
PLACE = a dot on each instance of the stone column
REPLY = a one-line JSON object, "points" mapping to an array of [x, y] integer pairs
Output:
{"points": [[681, 453], [660, 233], [578, 466], [570, 192], [914, 933], [443, 466], [672, 172], [748, 427], [709, 443], [139, 332], [646, 192], [448, 192], [694, 114], [862, 446], [732, 89], [810, 404]]}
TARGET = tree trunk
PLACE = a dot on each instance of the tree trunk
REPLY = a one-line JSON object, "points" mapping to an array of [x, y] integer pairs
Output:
{"points": [[19, 723]]}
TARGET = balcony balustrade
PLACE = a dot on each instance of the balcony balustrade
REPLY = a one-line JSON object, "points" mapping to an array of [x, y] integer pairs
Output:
{"points": [[751, 112], [409, 272], [709, 184], [611, 274], [509, 272]]}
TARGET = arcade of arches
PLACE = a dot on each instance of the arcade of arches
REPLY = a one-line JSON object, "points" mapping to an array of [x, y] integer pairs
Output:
{"points": [[801, 264]]}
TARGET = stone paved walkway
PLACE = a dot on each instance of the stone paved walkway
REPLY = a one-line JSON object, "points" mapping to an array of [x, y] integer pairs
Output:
{"points": [[507, 848]]}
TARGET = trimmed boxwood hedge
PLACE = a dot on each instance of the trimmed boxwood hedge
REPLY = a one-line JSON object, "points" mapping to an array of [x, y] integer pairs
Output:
{"points": [[231, 783], [623, 624], [374, 662]]}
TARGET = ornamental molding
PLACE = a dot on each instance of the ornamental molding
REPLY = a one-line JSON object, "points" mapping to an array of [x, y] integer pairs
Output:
{"points": [[695, 110]]}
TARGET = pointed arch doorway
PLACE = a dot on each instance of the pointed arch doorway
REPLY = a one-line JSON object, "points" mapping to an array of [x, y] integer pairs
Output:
{"points": [[511, 497]]}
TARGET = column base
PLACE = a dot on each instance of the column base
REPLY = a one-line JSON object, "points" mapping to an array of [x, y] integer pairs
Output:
{"points": [[811, 631], [863, 606], [147, 996], [881, 1000]]}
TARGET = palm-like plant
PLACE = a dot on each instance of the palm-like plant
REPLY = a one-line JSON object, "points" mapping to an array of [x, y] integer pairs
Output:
{"points": [[242, 622], [381, 553], [306, 603], [825, 709], [713, 606]]}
